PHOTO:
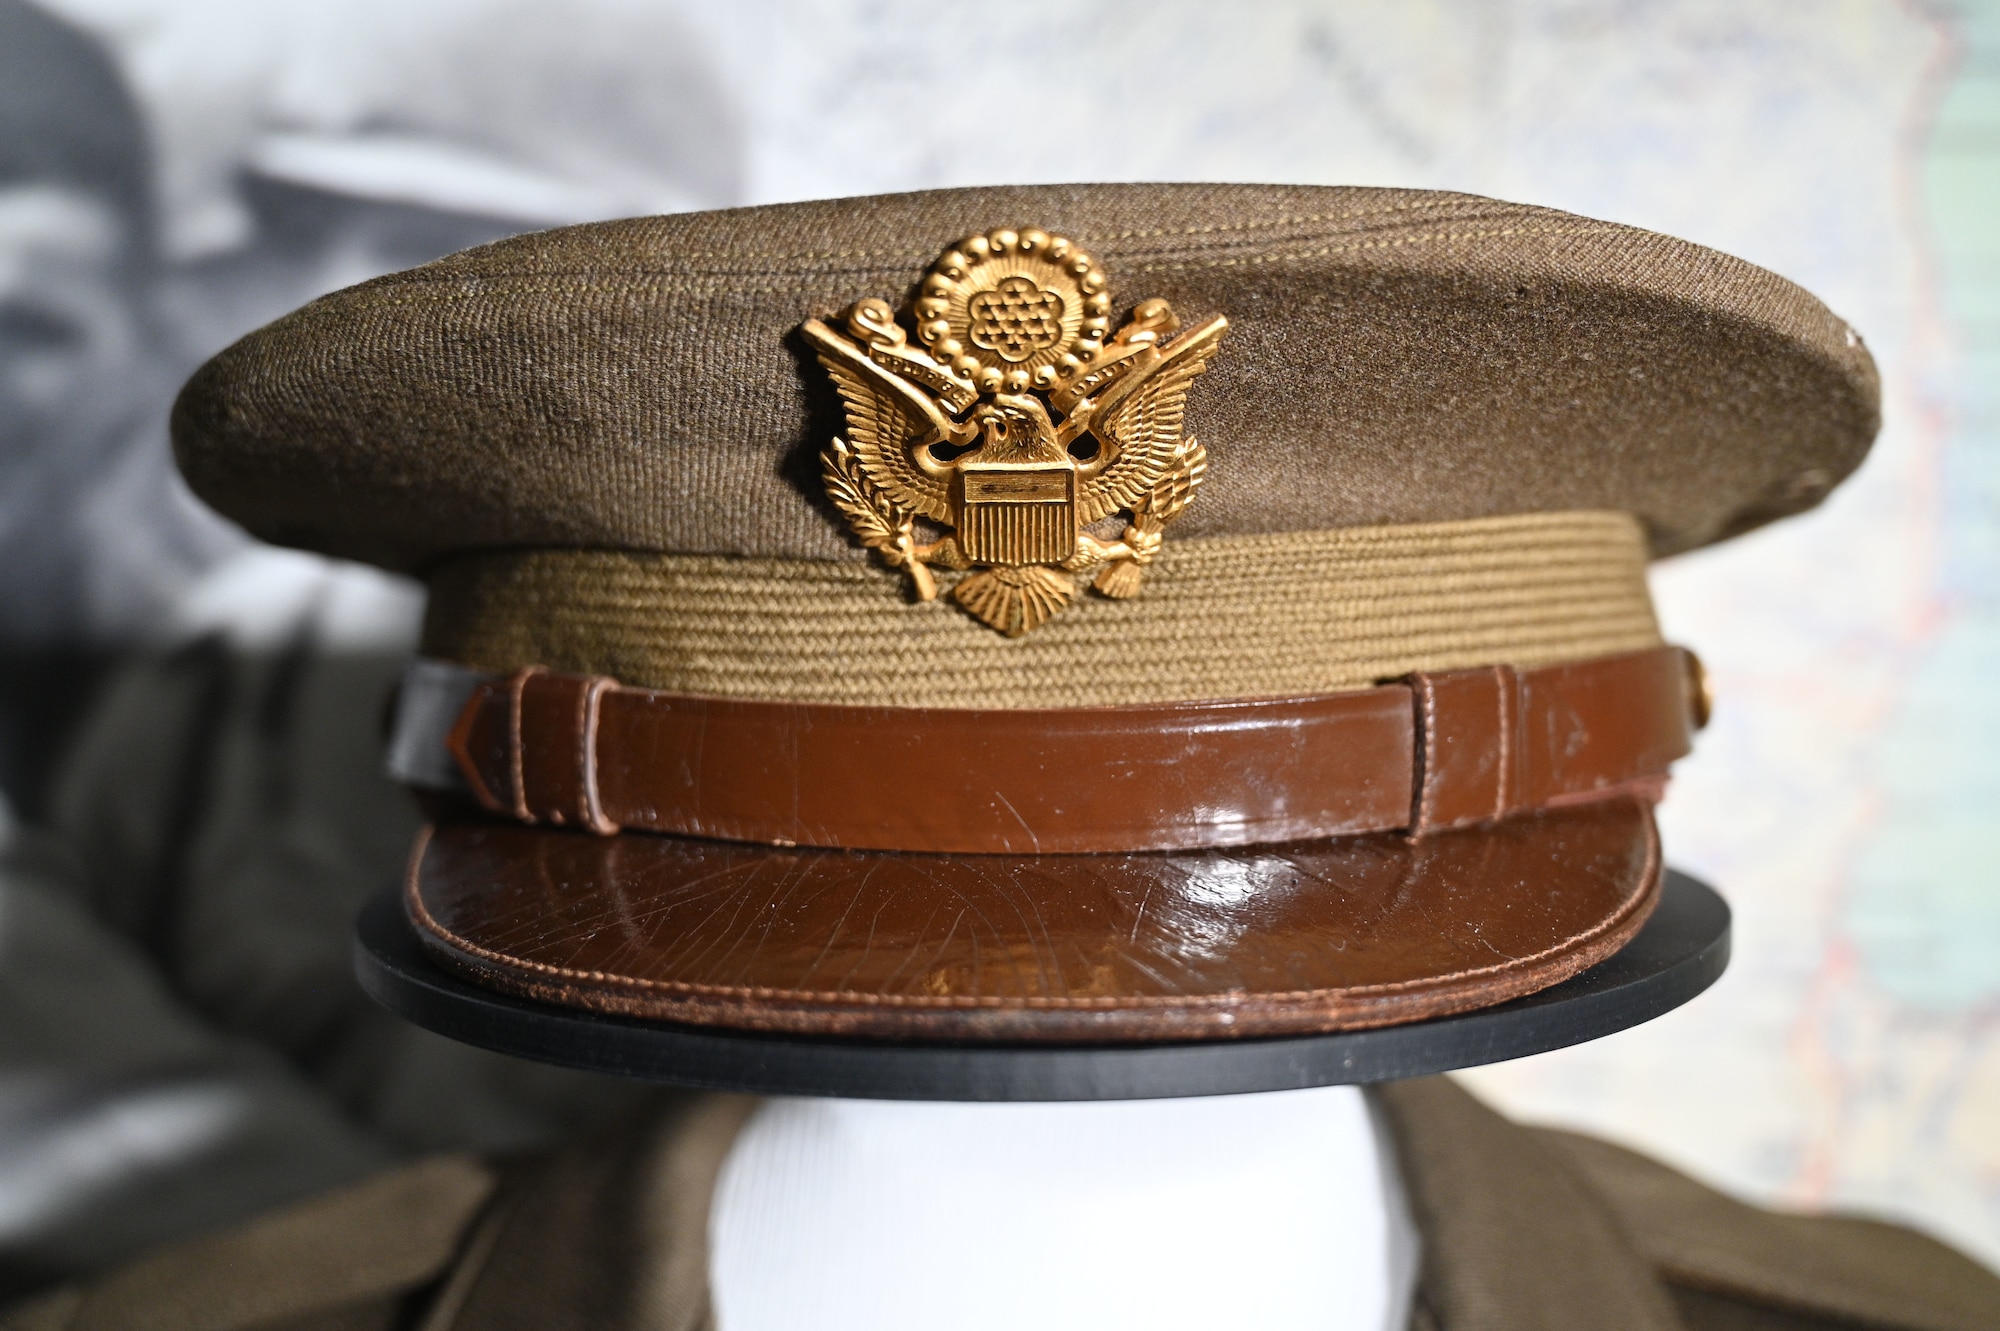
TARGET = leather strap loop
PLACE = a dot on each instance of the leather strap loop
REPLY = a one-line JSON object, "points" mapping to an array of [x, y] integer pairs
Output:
{"points": [[1468, 747], [517, 771], [542, 766], [1438, 751]]}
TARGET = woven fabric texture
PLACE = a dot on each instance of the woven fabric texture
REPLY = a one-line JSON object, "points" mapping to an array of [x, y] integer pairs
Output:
{"points": [[1396, 357], [1228, 617]]}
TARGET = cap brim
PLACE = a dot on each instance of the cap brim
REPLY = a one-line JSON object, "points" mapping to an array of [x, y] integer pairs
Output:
{"points": [[1249, 941]]}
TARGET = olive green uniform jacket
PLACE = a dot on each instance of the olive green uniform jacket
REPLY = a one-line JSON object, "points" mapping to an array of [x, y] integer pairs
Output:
{"points": [[1523, 1230]]}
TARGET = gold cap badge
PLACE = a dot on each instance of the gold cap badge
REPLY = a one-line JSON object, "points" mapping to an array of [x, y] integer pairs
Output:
{"points": [[1016, 421]]}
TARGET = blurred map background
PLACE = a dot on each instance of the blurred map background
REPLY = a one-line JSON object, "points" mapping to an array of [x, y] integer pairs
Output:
{"points": [[1847, 797]]}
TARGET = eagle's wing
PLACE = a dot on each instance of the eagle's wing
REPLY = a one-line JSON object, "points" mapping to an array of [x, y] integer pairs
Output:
{"points": [[1138, 421], [886, 414]]}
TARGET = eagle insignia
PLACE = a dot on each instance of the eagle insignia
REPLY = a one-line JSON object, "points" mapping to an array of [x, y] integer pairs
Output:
{"points": [[1005, 415]]}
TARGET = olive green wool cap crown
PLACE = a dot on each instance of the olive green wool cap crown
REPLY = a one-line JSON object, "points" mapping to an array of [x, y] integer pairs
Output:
{"points": [[1394, 357]]}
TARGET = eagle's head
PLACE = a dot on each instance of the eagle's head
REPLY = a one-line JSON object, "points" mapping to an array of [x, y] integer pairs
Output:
{"points": [[1015, 427]]}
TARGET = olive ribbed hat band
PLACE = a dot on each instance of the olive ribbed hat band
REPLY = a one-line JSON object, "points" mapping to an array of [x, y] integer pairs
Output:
{"points": [[1229, 617]]}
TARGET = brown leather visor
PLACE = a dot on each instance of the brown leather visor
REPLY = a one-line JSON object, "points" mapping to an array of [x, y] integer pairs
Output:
{"points": [[1288, 939], [1259, 868]]}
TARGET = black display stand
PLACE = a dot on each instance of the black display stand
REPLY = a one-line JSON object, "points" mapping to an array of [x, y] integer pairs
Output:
{"points": [[1681, 950]]}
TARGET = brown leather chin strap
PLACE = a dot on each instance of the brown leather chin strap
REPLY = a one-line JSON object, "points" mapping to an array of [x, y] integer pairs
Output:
{"points": [[1433, 752]]}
